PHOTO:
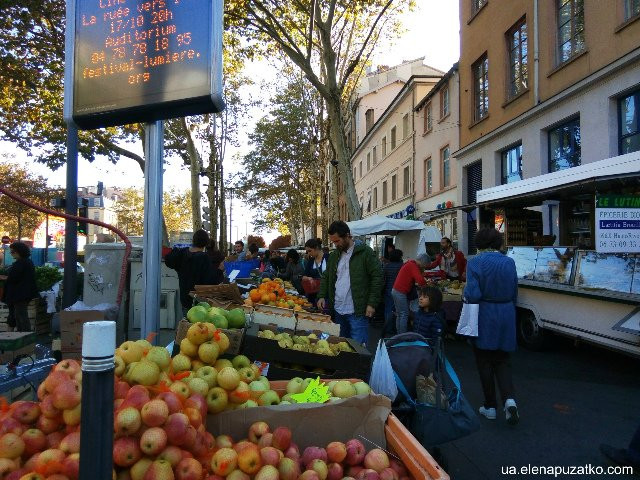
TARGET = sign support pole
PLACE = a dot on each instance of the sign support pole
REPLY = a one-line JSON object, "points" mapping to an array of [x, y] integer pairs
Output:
{"points": [[151, 257]]}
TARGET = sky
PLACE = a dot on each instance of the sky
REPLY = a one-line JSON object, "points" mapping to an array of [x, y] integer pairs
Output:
{"points": [[432, 31]]}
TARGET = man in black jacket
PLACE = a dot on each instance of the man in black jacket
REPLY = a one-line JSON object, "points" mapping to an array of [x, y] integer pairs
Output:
{"points": [[193, 266], [20, 287]]}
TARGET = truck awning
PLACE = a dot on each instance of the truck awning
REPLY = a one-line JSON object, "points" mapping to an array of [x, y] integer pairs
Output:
{"points": [[564, 183]]}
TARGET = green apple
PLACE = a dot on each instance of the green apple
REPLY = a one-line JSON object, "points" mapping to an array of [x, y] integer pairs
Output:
{"points": [[208, 374], [362, 388], [248, 404], [269, 398], [160, 356], [344, 389], [240, 361], [198, 385], [305, 383], [258, 386], [295, 385], [265, 380]]}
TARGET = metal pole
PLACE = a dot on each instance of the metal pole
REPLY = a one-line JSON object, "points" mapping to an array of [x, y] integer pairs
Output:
{"points": [[152, 246], [96, 441], [230, 216], [71, 226]]}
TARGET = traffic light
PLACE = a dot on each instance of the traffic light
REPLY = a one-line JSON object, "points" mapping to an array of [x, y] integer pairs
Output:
{"points": [[206, 217], [49, 240], [83, 211]]}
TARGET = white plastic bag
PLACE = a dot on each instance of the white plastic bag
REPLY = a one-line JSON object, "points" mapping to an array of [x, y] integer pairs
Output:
{"points": [[382, 380], [468, 323]]}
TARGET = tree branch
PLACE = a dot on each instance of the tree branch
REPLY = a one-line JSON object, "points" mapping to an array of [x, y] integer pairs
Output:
{"points": [[119, 150]]}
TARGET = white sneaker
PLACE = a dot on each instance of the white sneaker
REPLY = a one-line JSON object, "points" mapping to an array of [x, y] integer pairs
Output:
{"points": [[511, 411], [490, 413]]}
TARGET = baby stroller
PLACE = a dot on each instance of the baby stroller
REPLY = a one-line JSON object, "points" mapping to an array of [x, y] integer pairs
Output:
{"points": [[433, 407]]}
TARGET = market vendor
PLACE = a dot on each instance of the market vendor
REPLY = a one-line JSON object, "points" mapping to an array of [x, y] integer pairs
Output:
{"points": [[450, 261], [20, 287]]}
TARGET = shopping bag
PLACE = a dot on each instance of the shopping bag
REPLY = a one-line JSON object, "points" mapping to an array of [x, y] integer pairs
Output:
{"points": [[382, 379], [468, 323], [444, 421], [311, 285]]}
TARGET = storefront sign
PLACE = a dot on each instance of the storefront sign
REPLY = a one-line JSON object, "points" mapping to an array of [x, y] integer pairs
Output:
{"points": [[617, 223], [144, 60]]}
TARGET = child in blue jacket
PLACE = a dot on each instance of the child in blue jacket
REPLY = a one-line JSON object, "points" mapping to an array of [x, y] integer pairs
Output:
{"points": [[429, 320]]}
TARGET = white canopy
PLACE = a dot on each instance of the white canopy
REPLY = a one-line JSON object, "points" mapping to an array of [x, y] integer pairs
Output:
{"points": [[379, 225]]}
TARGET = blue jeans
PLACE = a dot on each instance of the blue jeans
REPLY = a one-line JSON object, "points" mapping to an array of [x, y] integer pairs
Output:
{"points": [[353, 326], [402, 310], [389, 328]]}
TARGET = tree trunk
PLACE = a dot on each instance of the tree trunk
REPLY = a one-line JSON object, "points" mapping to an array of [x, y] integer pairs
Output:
{"points": [[222, 243], [195, 165], [336, 133]]}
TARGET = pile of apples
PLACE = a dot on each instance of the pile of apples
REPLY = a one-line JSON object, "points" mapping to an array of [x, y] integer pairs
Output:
{"points": [[266, 455], [42, 439]]}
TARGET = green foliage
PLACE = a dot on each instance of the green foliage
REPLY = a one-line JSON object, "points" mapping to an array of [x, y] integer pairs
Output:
{"points": [[280, 242], [47, 277]]}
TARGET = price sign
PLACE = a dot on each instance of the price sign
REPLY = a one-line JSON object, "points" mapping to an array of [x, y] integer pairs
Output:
{"points": [[316, 392], [144, 60]]}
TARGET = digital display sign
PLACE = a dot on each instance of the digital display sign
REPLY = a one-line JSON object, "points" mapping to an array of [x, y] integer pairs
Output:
{"points": [[145, 60]]}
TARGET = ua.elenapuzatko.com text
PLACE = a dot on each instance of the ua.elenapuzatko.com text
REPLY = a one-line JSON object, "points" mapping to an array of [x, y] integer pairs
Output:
{"points": [[562, 470]]}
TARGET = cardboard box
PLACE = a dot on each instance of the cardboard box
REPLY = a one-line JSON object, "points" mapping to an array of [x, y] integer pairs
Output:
{"points": [[354, 364], [305, 324], [71, 323], [276, 316]]}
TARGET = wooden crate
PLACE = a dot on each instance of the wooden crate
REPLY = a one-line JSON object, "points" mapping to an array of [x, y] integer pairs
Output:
{"points": [[4, 315]]}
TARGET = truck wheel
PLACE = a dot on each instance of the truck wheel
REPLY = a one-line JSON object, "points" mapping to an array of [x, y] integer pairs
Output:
{"points": [[530, 334]]}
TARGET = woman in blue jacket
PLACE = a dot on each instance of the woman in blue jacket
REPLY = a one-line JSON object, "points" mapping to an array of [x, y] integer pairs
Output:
{"points": [[492, 282]]}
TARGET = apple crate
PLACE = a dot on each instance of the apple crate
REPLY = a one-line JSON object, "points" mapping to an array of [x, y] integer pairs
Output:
{"points": [[235, 336], [355, 364], [270, 315]]}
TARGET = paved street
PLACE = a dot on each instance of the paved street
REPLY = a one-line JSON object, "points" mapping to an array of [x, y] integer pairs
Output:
{"points": [[570, 399]]}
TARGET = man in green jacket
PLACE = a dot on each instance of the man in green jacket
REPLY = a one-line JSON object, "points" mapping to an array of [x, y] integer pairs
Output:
{"points": [[352, 283]]}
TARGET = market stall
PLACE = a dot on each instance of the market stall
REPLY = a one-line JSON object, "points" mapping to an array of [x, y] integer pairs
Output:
{"points": [[575, 237]]}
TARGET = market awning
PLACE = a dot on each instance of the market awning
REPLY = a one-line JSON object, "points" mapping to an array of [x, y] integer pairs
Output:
{"points": [[565, 183], [379, 225]]}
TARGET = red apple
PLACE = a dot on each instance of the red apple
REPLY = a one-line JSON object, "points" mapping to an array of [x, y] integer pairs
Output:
{"points": [[199, 402], [34, 441], [72, 416], [293, 452], [281, 438], [68, 366], [354, 470], [320, 467], [127, 421], [11, 446], [177, 428], [159, 470], [54, 439], [50, 462], [309, 475], [224, 441], [195, 417], [224, 461], [26, 412], [334, 471], [312, 453], [355, 452], [268, 472], [11, 425], [120, 389], [398, 467], [54, 379], [154, 413], [235, 475], [190, 439], [389, 474], [71, 466], [172, 401], [289, 469], [48, 409], [257, 430], [49, 425], [67, 395], [249, 459], [266, 440], [136, 397], [336, 452], [377, 459], [189, 469], [368, 474], [126, 451], [271, 456], [172, 454], [71, 443], [153, 441]]}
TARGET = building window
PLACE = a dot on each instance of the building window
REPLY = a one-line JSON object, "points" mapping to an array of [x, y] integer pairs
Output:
{"points": [[446, 167], [476, 5], [512, 164], [570, 28], [454, 228], [384, 147], [394, 187], [629, 122], [564, 146], [406, 183], [428, 118], [481, 88], [384, 192], [375, 198], [405, 126], [360, 169], [368, 119], [368, 161], [518, 48], [393, 138], [375, 155], [429, 176], [444, 102], [631, 8]]}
